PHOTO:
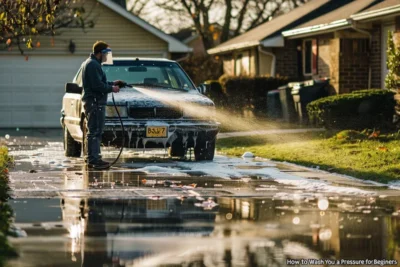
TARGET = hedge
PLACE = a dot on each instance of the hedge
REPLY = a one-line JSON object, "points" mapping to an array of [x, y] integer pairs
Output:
{"points": [[6, 212], [243, 93], [371, 108]]}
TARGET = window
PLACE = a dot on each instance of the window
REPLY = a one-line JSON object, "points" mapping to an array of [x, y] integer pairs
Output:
{"points": [[242, 64], [238, 65], [78, 78], [166, 74], [310, 54]]}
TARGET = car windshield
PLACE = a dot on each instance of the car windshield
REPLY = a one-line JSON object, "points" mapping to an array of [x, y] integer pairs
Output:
{"points": [[167, 75]]}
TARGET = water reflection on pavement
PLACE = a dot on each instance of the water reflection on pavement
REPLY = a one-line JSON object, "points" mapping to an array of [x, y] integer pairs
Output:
{"points": [[163, 212], [204, 231]]}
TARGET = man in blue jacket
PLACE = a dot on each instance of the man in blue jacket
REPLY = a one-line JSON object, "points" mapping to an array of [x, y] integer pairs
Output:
{"points": [[95, 91]]}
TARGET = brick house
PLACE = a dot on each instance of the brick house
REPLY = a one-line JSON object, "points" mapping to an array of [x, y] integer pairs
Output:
{"points": [[348, 45], [264, 51]]}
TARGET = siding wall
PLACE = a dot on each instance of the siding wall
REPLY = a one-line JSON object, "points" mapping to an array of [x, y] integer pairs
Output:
{"points": [[124, 37]]}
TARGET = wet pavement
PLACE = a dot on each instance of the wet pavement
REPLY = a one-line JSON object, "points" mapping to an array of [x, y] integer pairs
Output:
{"points": [[151, 210]]}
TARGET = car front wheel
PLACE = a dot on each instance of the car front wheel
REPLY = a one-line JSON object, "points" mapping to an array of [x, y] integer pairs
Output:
{"points": [[72, 148], [204, 150]]}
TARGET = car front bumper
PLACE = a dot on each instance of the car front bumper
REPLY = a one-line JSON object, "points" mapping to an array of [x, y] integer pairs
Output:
{"points": [[188, 132]]}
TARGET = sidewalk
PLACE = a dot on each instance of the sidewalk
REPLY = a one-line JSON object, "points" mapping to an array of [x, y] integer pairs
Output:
{"points": [[273, 131]]}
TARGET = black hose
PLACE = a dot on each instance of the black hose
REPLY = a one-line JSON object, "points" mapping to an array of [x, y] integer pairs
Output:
{"points": [[123, 139]]}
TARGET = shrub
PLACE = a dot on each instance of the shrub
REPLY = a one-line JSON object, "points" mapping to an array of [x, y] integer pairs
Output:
{"points": [[5, 209], [373, 108], [216, 94], [249, 93]]}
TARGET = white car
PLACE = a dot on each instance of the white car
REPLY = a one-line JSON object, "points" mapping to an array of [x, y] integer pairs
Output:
{"points": [[161, 108]]}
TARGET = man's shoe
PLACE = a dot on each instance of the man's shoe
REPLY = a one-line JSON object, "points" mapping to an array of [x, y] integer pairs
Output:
{"points": [[99, 164]]}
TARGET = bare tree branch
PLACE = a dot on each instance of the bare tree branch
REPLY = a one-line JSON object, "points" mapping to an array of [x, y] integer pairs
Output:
{"points": [[25, 19], [235, 16]]}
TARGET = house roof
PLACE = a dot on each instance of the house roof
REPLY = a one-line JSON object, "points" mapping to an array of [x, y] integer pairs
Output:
{"points": [[183, 34], [383, 4], [343, 17], [385, 8], [295, 17], [174, 46], [343, 12]]}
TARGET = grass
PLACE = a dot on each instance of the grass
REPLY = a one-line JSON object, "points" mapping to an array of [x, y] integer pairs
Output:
{"points": [[368, 156], [5, 210]]}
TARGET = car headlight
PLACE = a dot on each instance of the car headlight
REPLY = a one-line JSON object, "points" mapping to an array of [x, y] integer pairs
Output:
{"points": [[112, 113]]}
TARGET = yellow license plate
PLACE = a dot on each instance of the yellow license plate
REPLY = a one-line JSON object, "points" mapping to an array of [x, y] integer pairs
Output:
{"points": [[156, 131]]}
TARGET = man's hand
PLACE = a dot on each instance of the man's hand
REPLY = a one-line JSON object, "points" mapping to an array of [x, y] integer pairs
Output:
{"points": [[115, 88], [120, 83]]}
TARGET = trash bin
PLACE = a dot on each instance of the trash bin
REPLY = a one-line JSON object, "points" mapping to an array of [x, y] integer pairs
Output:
{"points": [[274, 107], [287, 104], [305, 92]]}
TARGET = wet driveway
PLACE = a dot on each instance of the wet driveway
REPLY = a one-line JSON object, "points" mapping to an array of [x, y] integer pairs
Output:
{"points": [[150, 210]]}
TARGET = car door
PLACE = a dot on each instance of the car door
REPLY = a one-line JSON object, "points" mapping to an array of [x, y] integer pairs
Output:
{"points": [[72, 110]]}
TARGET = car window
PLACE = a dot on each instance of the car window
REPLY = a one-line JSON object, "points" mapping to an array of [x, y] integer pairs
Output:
{"points": [[78, 78], [158, 73]]}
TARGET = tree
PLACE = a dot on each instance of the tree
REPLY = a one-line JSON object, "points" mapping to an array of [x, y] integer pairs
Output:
{"points": [[392, 79], [23, 20], [235, 16]]}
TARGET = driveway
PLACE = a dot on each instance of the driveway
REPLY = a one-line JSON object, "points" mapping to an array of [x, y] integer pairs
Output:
{"points": [[150, 210]]}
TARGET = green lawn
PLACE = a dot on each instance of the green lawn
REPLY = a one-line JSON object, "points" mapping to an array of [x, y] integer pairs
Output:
{"points": [[5, 209], [374, 158]]}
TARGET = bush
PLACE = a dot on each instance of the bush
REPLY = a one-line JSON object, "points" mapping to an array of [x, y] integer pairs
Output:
{"points": [[249, 93], [5, 209], [373, 108], [216, 94]]}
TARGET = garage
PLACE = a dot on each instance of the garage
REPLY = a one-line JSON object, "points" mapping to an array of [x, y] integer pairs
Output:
{"points": [[31, 90]]}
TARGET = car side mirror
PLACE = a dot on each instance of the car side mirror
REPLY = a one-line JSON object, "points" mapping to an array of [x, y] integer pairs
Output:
{"points": [[73, 88], [202, 89]]}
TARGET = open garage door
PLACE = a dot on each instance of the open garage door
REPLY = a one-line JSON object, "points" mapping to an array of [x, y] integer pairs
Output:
{"points": [[31, 91]]}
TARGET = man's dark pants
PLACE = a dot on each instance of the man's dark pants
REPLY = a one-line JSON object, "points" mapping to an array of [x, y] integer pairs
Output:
{"points": [[95, 116]]}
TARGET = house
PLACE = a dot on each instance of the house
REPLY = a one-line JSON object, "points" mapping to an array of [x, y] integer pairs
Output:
{"points": [[32, 86], [192, 38], [348, 44], [264, 51]]}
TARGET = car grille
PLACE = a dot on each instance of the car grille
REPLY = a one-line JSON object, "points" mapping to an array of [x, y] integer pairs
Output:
{"points": [[155, 113]]}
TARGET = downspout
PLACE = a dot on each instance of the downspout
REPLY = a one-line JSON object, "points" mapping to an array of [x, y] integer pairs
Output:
{"points": [[273, 60], [370, 49]]}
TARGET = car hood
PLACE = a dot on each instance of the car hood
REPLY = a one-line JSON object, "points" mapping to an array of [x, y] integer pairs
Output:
{"points": [[155, 97]]}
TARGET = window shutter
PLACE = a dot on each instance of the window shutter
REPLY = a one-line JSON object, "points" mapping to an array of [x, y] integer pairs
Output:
{"points": [[314, 57]]}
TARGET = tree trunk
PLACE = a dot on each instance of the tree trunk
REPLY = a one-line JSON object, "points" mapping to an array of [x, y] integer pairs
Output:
{"points": [[227, 22]]}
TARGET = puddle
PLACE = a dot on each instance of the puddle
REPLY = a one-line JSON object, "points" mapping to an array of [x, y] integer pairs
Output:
{"points": [[203, 231]]}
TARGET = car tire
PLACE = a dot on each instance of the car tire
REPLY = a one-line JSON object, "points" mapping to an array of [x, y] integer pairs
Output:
{"points": [[204, 150], [72, 148], [84, 139], [176, 149]]}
